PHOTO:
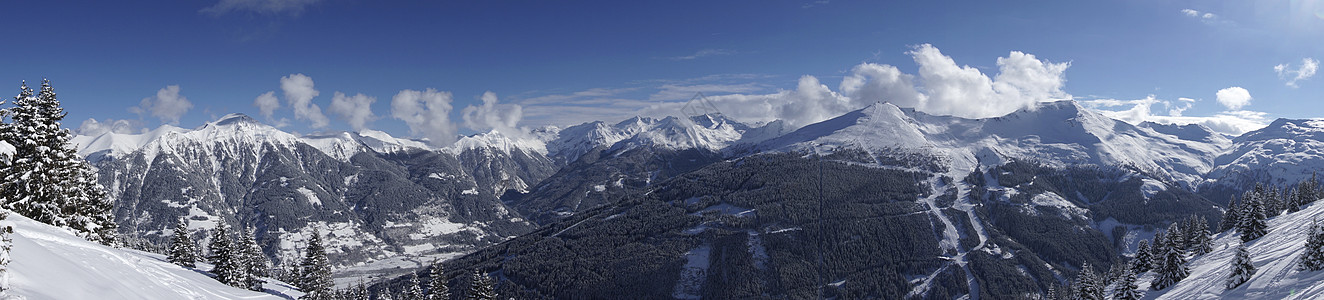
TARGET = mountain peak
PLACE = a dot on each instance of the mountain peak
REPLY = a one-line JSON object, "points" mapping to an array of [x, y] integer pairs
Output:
{"points": [[235, 118]]}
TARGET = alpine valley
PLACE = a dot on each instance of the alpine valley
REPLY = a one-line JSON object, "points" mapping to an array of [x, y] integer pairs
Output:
{"points": [[881, 202]]}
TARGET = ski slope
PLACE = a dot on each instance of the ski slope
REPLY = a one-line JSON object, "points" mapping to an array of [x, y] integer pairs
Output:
{"points": [[1274, 256], [51, 263]]}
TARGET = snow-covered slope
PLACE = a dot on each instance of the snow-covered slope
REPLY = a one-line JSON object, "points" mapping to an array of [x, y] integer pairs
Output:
{"points": [[1274, 256], [712, 132], [1285, 152], [1055, 133], [51, 263]]}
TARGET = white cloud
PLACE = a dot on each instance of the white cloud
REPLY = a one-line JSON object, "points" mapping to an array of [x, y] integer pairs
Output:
{"points": [[704, 53], [1234, 98], [675, 92], [810, 102], [427, 113], [267, 104], [355, 110], [1303, 72], [168, 105], [493, 116], [1182, 105], [944, 88], [874, 82], [941, 87], [1206, 17], [1233, 122], [299, 93], [269, 7], [92, 127]]}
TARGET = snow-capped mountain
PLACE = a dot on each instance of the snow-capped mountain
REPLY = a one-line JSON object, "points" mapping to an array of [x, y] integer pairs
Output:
{"points": [[712, 132], [52, 263], [1285, 152], [1055, 133], [375, 198]]}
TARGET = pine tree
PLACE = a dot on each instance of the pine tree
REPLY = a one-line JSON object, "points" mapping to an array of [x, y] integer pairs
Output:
{"points": [[315, 273], [256, 263], [1231, 216], [181, 247], [385, 295], [1126, 286], [1143, 260], [481, 287], [227, 259], [1051, 293], [413, 290], [1242, 269], [1171, 270], [1174, 237], [46, 179], [1198, 239], [361, 292], [1313, 258], [437, 289], [1251, 223], [1157, 250], [1087, 284]]}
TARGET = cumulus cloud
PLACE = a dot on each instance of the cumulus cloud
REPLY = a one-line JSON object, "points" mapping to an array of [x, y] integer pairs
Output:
{"points": [[427, 113], [299, 94], [945, 88], [704, 53], [940, 87], [267, 104], [92, 127], [1303, 72], [266, 7], [1234, 98], [168, 105], [355, 110], [884, 83], [493, 116]]}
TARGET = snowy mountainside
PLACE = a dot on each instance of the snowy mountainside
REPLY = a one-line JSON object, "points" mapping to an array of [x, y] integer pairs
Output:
{"points": [[51, 263], [712, 132], [1273, 255], [1285, 152], [1056, 133], [371, 202]]}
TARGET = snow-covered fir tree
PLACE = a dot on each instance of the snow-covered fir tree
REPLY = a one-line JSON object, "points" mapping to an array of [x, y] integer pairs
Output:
{"points": [[481, 287], [315, 271], [1157, 250], [181, 247], [413, 289], [437, 289], [1242, 269], [1143, 260], [228, 259], [385, 295], [1200, 241], [1231, 216], [1171, 270], [1051, 293], [256, 263], [1126, 288], [1087, 285], [1251, 223], [46, 180], [1313, 258]]}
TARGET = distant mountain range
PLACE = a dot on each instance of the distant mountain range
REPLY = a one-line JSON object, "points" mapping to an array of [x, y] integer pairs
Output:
{"points": [[686, 192]]}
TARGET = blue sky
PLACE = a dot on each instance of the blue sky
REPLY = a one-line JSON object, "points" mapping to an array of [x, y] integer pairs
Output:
{"points": [[565, 63]]}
